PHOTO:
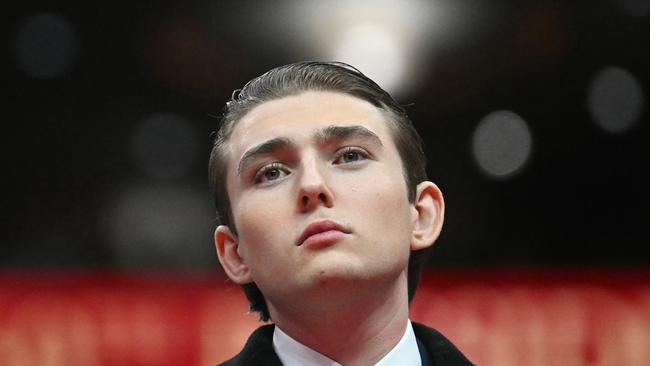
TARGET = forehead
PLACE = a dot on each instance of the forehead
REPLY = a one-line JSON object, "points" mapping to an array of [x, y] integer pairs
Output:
{"points": [[300, 116]]}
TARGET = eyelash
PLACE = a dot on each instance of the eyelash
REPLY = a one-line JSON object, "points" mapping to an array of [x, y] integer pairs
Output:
{"points": [[260, 173], [362, 153]]}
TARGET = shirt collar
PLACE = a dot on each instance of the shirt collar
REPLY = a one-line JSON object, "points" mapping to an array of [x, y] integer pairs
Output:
{"points": [[294, 353]]}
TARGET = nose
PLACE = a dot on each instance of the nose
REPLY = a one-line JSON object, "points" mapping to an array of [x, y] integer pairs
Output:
{"points": [[313, 190]]}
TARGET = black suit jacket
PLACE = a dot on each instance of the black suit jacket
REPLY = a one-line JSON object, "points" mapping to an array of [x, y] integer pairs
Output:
{"points": [[259, 349]]}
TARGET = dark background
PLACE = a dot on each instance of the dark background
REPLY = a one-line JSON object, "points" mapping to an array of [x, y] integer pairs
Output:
{"points": [[83, 79]]}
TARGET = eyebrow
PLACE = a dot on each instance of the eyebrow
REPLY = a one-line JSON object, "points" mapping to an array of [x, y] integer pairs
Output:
{"points": [[322, 137], [330, 133], [264, 148]]}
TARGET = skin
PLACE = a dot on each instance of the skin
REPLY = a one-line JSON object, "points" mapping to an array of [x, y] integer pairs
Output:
{"points": [[355, 284]]}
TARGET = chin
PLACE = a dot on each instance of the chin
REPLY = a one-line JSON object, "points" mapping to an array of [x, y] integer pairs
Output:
{"points": [[344, 275]]}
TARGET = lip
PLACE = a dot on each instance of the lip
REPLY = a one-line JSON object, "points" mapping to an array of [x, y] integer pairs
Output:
{"points": [[321, 232]]}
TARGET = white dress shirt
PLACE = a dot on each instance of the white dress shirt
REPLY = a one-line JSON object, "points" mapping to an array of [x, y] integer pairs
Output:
{"points": [[294, 353]]}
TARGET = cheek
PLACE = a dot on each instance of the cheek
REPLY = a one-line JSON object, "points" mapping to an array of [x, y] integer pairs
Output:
{"points": [[393, 211], [261, 221], [383, 199]]}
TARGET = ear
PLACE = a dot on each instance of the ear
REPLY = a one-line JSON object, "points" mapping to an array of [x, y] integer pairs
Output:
{"points": [[231, 260], [428, 215]]}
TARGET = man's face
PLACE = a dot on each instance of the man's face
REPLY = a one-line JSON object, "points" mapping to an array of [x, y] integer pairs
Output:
{"points": [[318, 195]]}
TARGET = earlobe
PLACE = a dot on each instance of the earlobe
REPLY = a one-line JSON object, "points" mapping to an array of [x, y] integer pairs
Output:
{"points": [[233, 263], [429, 213]]}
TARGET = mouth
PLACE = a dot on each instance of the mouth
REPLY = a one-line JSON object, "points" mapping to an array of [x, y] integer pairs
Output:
{"points": [[321, 233]]}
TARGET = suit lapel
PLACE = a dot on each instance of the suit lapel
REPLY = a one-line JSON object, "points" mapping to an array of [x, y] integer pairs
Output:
{"points": [[258, 350], [435, 349], [440, 350]]}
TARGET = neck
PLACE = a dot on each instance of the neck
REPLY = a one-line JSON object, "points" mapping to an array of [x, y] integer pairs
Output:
{"points": [[357, 328]]}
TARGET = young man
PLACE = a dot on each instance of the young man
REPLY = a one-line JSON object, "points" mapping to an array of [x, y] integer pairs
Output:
{"points": [[326, 219]]}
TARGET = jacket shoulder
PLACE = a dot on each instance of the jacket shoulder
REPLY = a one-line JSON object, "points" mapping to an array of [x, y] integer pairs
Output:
{"points": [[258, 349], [441, 350]]}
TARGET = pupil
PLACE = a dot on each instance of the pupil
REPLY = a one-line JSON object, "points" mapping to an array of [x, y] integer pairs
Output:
{"points": [[351, 156], [272, 174]]}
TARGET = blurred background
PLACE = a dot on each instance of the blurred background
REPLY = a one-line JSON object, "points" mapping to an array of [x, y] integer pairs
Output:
{"points": [[535, 115]]}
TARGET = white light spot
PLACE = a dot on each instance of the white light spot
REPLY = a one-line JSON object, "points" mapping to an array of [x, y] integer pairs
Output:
{"points": [[389, 41], [46, 46], [502, 144], [164, 146], [615, 99], [167, 226], [375, 52]]}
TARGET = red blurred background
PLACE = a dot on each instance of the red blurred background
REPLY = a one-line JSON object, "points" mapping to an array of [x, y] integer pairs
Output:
{"points": [[496, 317]]}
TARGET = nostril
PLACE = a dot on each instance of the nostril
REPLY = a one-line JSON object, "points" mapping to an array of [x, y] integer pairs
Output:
{"points": [[321, 197], [305, 200]]}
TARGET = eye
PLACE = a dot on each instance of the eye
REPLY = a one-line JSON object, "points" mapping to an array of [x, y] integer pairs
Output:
{"points": [[270, 173], [351, 155]]}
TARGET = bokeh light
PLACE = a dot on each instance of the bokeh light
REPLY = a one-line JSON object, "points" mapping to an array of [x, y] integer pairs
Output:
{"points": [[615, 99], [635, 8], [502, 144], [375, 52], [161, 226], [46, 46], [164, 146], [386, 40]]}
